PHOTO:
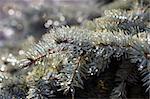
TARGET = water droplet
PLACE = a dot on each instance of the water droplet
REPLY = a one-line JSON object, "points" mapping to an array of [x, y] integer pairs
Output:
{"points": [[3, 58], [96, 70], [3, 67], [11, 11], [56, 23], [21, 52], [62, 18], [71, 90], [61, 84]]}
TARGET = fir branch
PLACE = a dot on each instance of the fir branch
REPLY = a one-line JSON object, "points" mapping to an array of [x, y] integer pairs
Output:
{"points": [[116, 20], [119, 92], [142, 59]]}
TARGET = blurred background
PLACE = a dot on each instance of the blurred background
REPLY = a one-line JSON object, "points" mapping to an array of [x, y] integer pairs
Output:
{"points": [[22, 18]]}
